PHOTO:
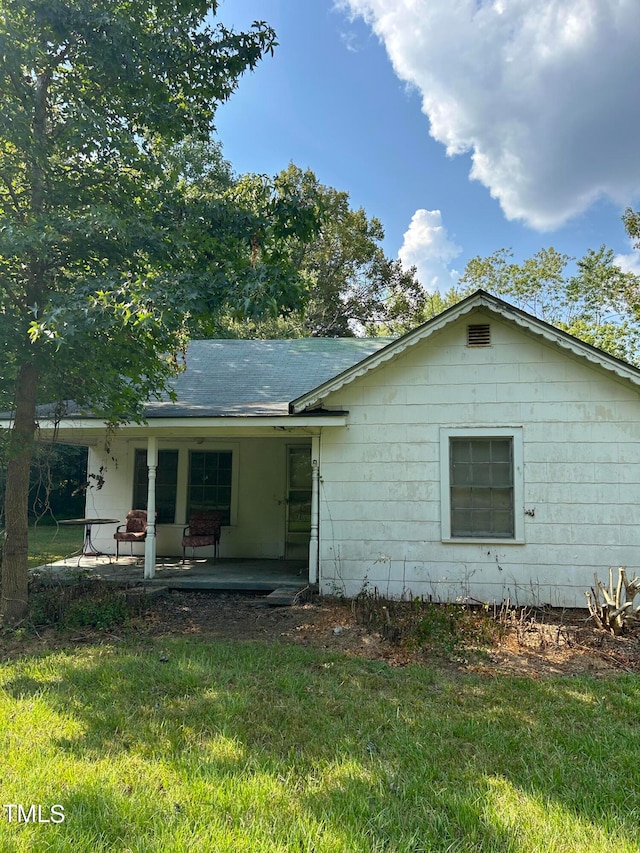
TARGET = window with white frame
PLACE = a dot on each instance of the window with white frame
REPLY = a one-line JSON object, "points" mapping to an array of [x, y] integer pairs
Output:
{"points": [[482, 485]]}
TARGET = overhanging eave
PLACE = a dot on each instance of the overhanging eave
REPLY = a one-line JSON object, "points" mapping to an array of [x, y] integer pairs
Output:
{"points": [[88, 431]]}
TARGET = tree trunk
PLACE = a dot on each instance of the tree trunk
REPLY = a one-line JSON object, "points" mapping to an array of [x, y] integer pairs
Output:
{"points": [[14, 580], [15, 575]]}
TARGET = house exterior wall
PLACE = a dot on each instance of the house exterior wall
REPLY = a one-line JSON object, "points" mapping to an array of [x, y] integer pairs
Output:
{"points": [[258, 514], [381, 492]]}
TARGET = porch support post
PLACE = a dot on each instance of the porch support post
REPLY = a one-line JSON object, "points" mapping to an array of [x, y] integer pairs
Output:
{"points": [[150, 541], [315, 509]]}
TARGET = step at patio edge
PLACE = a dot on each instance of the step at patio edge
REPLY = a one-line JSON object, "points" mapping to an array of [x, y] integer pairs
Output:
{"points": [[286, 596]]}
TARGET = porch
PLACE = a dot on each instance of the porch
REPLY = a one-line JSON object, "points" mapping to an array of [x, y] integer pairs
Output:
{"points": [[237, 574], [263, 484]]}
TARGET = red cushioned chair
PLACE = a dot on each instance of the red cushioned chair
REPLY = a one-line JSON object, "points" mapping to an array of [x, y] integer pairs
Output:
{"points": [[203, 529], [133, 530]]}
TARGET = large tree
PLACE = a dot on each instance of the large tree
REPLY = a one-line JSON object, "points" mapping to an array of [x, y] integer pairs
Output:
{"points": [[351, 285], [108, 251]]}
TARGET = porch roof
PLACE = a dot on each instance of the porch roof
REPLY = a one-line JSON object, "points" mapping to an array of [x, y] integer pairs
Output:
{"points": [[241, 379]]}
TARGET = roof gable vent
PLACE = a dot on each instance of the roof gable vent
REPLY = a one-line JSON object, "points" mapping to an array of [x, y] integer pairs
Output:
{"points": [[479, 335]]}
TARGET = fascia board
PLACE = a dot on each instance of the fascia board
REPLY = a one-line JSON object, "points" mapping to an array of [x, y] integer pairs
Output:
{"points": [[158, 424]]}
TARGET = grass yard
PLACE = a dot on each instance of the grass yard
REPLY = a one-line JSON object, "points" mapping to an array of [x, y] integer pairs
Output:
{"points": [[51, 542], [164, 740], [173, 744]]}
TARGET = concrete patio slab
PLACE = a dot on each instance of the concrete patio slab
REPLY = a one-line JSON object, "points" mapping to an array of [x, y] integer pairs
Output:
{"points": [[224, 574]]}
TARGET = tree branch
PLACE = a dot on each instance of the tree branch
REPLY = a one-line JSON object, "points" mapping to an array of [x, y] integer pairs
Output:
{"points": [[14, 198], [17, 303]]}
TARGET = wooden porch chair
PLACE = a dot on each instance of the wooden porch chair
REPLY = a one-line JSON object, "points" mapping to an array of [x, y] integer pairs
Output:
{"points": [[133, 530], [203, 529]]}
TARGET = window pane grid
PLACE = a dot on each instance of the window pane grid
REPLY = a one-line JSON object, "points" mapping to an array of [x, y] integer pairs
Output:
{"points": [[482, 487], [210, 482], [299, 490], [166, 484]]}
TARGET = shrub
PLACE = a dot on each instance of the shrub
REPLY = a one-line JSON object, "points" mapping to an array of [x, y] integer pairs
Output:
{"points": [[78, 603], [613, 608], [105, 613], [441, 628]]}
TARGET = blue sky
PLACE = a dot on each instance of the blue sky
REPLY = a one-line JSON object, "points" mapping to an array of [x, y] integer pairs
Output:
{"points": [[397, 101]]}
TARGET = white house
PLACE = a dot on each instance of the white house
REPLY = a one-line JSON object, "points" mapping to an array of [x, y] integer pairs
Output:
{"points": [[485, 455]]}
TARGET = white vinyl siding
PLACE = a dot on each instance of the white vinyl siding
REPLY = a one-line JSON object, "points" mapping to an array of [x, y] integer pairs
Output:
{"points": [[385, 490]]}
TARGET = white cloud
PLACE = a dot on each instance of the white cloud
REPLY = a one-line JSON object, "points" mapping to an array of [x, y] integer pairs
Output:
{"points": [[348, 39], [629, 263], [427, 246], [543, 93]]}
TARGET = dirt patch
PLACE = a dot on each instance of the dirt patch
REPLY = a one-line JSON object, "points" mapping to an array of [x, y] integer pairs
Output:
{"points": [[526, 643], [533, 644]]}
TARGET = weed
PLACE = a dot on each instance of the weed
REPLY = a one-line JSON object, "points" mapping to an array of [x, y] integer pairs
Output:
{"points": [[442, 628], [82, 603], [105, 613], [437, 625]]}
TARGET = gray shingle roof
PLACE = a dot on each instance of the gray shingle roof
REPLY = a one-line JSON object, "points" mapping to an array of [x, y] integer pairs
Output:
{"points": [[240, 377]]}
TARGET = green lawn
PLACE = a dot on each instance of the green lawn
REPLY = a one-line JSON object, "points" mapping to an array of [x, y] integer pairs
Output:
{"points": [[51, 542], [182, 745]]}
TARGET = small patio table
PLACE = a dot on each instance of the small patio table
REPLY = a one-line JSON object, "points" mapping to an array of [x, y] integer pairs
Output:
{"points": [[88, 548]]}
